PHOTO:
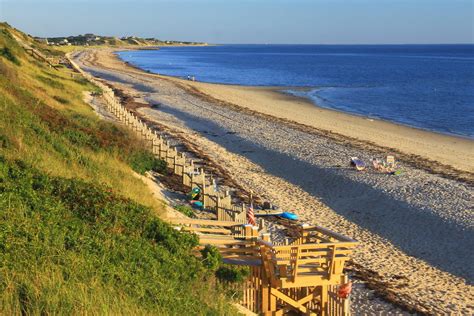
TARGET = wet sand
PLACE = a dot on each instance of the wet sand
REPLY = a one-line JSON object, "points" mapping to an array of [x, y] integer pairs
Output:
{"points": [[415, 229]]}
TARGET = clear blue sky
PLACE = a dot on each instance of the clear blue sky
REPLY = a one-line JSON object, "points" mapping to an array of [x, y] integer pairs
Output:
{"points": [[251, 21]]}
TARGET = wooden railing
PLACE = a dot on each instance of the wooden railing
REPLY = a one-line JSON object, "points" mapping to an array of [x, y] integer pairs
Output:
{"points": [[208, 229], [303, 276], [52, 61], [306, 264]]}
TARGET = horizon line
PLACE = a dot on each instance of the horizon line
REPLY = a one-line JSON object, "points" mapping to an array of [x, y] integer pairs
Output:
{"points": [[362, 44]]}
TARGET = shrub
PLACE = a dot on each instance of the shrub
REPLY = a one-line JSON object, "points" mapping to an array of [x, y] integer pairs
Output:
{"points": [[80, 138], [61, 99], [50, 82], [142, 161], [4, 141], [211, 257], [164, 234], [232, 273], [60, 148], [8, 54], [185, 209], [81, 80], [8, 72]]}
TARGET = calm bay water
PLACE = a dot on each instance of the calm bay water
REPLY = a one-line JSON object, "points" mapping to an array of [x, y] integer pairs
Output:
{"points": [[425, 86]]}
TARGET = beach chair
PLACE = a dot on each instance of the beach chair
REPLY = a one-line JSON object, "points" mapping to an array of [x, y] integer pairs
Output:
{"points": [[390, 161], [377, 164], [386, 166]]}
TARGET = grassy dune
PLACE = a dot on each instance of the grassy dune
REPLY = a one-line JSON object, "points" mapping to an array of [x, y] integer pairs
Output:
{"points": [[78, 232]]}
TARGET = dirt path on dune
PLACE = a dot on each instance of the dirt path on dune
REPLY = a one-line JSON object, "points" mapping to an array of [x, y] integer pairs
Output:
{"points": [[415, 230]]}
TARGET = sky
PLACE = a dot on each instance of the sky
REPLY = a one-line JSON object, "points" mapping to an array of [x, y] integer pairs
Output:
{"points": [[251, 21]]}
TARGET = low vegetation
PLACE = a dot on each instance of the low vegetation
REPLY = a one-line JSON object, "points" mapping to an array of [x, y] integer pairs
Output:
{"points": [[212, 260], [186, 210], [79, 231], [69, 246], [7, 53], [142, 161]]}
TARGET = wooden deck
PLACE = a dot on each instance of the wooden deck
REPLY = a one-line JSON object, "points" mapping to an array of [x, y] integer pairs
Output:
{"points": [[300, 277]]}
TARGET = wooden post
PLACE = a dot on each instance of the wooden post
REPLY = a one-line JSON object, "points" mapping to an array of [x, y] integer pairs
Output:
{"points": [[203, 193], [183, 156], [218, 207], [169, 156], [324, 300], [345, 308], [160, 147], [265, 292], [175, 164], [150, 137], [273, 302], [248, 231], [266, 237], [254, 232], [192, 178], [154, 145]]}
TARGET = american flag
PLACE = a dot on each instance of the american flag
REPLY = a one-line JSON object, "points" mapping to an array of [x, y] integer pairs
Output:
{"points": [[251, 216]]}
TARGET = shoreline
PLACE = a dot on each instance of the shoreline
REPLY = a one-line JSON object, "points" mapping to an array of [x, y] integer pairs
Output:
{"points": [[388, 121], [449, 150], [280, 90], [433, 150]]}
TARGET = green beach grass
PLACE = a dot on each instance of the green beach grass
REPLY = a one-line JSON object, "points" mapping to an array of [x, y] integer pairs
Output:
{"points": [[79, 232]]}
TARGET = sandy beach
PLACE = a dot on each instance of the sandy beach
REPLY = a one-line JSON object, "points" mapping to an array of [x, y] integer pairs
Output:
{"points": [[443, 149], [415, 229]]}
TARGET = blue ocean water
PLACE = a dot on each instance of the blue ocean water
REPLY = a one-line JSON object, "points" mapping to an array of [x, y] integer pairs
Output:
{"points": [[425, 86]]}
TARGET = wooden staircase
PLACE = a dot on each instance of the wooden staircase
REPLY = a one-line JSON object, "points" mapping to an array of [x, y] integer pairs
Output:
{"points": [[300, 277]]}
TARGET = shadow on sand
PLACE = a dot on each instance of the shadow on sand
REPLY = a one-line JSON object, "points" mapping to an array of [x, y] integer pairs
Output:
{"points": [[418, 233]]}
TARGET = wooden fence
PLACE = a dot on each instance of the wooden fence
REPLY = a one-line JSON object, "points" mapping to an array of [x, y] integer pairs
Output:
{"points": [[52, 61], [192, 177]]}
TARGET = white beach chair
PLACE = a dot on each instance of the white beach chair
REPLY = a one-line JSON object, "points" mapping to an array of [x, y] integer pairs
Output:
{"points": [[390, 162]]}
